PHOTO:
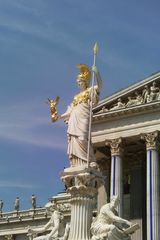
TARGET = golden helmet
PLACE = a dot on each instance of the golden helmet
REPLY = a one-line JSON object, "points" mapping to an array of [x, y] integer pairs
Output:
{"points": [[85, 73]]}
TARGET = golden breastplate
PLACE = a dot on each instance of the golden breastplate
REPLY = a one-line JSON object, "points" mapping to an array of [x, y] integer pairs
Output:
{"points": [[82, 97]]}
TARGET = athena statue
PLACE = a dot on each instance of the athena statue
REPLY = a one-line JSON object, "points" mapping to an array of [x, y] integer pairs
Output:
{"points": [[77, 116]]}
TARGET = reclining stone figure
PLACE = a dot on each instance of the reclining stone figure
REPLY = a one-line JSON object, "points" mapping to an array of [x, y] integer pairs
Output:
{"points": [[55, 226], [109, 226]]}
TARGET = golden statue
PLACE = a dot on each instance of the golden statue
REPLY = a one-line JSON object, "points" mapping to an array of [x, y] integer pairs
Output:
{"points": [[53, 108]]}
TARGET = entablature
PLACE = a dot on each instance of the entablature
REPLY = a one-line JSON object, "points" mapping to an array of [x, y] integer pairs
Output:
{"points": [[139, 94], [132, 110], [126, 125]]}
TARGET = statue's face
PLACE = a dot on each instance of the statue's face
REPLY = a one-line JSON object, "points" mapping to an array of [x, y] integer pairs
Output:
{"points": [[114, 202], [82, 84], [51, 209]]}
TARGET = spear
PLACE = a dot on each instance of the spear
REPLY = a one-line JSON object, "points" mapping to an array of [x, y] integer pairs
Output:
{"points": [[95, 51]]}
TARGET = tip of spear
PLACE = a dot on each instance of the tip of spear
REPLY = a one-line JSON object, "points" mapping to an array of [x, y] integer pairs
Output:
{"points": [[96, 48]]}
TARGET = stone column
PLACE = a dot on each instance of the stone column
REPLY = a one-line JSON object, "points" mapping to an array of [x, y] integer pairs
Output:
{"points": [[152, 185], [116, 187], [82, 185], [103, 162]]}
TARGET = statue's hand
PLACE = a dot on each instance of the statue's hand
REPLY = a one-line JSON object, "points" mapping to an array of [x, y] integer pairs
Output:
{"points": [[95, 69], [128, 223], [65, 116]]}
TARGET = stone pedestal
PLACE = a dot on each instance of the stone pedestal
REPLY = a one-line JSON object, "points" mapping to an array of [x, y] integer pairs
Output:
{"points": [[152, 186], [82, 184]]}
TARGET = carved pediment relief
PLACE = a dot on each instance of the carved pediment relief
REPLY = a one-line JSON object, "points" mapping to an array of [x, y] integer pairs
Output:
{"points": [[145, 93]]}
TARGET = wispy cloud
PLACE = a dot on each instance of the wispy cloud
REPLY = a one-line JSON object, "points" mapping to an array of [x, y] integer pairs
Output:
{"points": [[46, 30], [13, 184], [27, 125], [42, 27]]}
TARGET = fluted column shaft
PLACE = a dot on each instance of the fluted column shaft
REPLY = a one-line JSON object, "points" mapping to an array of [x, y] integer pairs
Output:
{"points": [[152, 186], [81, 216], [116, 187]]}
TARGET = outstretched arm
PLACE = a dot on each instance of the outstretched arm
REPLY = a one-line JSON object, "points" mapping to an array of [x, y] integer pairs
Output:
{"points": [[65, 116], [117, 219], [40, 230]]}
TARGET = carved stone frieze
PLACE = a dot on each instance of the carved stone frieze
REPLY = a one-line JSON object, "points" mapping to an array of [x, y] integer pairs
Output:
{"points": [[146, 94], [64, 207], [151, 140], [118, 105], [115, 145]]}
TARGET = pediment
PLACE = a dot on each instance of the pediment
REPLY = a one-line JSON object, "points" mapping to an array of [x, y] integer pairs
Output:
{"points": [[143, 93]]}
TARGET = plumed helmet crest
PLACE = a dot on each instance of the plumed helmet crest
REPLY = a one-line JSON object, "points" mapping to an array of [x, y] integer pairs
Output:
{"points": [[85, 73]]}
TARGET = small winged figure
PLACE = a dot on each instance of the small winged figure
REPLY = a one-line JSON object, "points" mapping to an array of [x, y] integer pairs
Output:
{"points": [[53, 108]]}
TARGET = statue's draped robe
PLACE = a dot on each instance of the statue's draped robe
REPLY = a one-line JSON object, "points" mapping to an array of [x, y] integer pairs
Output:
{"points": [[105, 226], [78, 128]]}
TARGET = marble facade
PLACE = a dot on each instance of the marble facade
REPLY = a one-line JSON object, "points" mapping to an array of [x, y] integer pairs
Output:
{"points": [[126, 140]]}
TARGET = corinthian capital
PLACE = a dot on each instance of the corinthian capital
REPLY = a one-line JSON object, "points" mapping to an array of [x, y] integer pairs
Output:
{"points": [[151, 140], [82, 183], [115, 145], [8, 237]]}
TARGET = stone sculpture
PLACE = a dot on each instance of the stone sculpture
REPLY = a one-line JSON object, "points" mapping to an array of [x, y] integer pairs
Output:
{"points": [[82, 178], [33, 201], [55, 225], [109, 226], [153, 92], [17, 204], [78, 114], [145, 94], [118, 105], [134, 100], [1, 206]]}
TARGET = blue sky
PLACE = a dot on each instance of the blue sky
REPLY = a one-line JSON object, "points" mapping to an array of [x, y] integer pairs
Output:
{"points": [[41, 41]]}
